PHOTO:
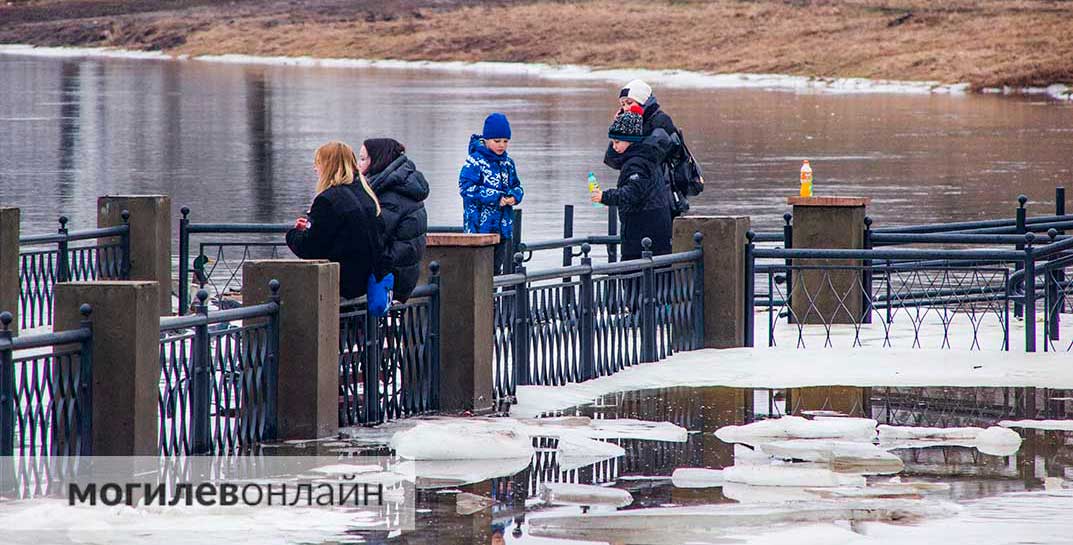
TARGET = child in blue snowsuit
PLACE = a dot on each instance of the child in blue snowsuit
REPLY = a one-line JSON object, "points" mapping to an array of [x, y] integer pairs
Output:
{"points": [[490, 187]]}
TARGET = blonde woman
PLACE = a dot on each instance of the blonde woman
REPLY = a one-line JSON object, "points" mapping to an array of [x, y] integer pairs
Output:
{"points": [[343, 224]]}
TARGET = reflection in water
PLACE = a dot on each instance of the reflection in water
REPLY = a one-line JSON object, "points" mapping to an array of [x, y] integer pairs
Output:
{"points": [[646, 468], [70, 111], [260, 158], [233, 142]]}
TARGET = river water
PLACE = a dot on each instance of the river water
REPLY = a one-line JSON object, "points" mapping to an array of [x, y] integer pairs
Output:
{"points": [[235, 142]]}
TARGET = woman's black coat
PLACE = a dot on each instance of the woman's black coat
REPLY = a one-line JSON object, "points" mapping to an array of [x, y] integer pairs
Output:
{"points": [[401, 189], [641, 195]]}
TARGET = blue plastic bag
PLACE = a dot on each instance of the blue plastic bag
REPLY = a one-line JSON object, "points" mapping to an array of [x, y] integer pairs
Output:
{"points": [[380, 294]]}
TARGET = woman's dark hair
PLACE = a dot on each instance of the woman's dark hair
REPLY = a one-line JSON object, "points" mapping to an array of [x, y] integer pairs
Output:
{"points": [[382, 151]]}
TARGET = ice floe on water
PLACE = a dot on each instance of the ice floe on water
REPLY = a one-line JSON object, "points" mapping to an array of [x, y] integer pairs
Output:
{"points": [[461, 441], [1055, 425], [694, 477], [700, 523], [796, 427], [584, 494]]}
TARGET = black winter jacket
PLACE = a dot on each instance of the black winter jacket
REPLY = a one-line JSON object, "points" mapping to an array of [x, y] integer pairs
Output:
{"points": [[641, 195], [401, 189], [345, 229]]}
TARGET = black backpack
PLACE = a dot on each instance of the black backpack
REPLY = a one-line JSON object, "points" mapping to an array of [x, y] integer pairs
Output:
{"points": [[683, 176], [686, 175]]}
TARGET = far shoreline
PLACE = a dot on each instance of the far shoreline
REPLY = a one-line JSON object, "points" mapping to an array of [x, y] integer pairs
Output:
{"points": [[686, 79]]}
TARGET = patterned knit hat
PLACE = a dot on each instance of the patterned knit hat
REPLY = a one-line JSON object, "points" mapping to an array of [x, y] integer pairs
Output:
{"points": [[628, 126]]}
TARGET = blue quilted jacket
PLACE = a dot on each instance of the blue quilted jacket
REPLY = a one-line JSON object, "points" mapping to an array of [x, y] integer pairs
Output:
{"points": [[486, 178]]}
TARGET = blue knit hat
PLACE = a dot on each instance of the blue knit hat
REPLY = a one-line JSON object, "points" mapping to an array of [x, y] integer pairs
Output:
{"points": [[496, 126]]}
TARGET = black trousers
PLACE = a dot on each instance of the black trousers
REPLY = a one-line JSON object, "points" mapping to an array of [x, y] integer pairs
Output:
{"points": [[502, 257]]}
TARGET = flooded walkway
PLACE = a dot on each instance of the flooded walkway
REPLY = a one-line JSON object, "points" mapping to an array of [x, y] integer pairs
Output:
{"points": [[508, 508]]}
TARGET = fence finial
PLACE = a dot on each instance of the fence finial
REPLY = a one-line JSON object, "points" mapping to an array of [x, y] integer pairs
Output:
{"points": [[85, 310], [518, 260], [185, 211], [646, 244], [698, 238], [1022, 200], [273, 287], [5, 320], [1052, 233], [749, 236], [201, 306], [585, 249], [787, 217], [63, 223], [125, 215], [434, 268], [868, 222], [1029, 238]]}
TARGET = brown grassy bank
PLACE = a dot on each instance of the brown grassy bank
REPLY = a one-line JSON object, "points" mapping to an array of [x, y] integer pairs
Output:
{"points": [[983, 42]]}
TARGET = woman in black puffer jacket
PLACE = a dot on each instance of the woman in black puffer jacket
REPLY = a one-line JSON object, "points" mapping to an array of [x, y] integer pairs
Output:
{"points": [[401, 189]]}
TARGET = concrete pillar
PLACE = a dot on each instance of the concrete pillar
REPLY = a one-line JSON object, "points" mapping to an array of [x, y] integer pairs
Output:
{"points": [[9, 264], [466, 318], [150, 237], [308, 392], [831, 296], [126, 361], [724, 274]]}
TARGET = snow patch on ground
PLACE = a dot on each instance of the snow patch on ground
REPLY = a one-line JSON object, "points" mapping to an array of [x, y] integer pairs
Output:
{"points": [[792, 368], [665, 78]]}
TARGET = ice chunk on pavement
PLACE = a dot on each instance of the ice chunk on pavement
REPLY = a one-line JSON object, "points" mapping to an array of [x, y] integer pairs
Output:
{"points": [[796, 427], [844, 456], [806, 475], [584, 494], [694, 477], [460, 441]]}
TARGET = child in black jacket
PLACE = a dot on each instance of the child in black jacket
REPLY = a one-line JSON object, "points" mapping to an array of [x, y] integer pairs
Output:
{"points": [[641, 195]]}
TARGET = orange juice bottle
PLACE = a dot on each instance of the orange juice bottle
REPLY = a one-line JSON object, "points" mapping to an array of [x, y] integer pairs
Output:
{"points": [[806, 179]]}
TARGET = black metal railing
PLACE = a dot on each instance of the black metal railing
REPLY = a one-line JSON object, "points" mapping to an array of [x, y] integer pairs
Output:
{"points": [[81, 256], [389, 367], [222, 250], [46, 391], [919, 297], [218, 382], [580, 322]]}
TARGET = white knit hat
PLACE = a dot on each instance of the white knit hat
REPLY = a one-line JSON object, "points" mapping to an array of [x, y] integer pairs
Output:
{"points": [[637, 90]]}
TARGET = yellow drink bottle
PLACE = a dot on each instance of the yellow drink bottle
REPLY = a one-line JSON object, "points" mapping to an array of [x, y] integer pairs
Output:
{"points": [[806, 179], [594, 186]]}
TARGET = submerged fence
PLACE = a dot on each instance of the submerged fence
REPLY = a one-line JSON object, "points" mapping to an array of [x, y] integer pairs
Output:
{"points": [[46, 391], [66, 256], [218, 382], [580, 322]]}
